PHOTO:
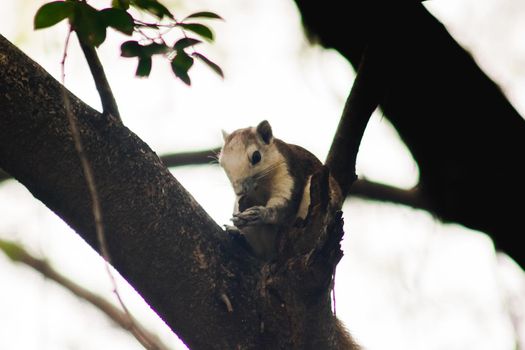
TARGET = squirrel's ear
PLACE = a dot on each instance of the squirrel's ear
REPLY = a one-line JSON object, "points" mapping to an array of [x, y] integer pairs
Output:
{"points": [[224, 135], [265, 131]]}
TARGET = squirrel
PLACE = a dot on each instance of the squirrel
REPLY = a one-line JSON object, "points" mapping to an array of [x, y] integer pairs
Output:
{"points": [[271, 181]]}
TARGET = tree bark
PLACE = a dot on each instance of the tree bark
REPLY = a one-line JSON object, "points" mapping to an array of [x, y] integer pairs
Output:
{"points": [[198, 279], [466, 138], [158, 237]]}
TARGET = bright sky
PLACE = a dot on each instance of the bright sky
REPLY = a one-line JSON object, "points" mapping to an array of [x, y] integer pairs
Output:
{"points": [[414, 281]]}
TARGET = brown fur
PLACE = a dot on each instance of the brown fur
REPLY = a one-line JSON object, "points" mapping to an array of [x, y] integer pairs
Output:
{"points": [[273, 192]]}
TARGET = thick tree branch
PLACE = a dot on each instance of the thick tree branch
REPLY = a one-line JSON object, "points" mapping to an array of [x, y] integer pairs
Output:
{"points": [[465, 136], [191, 273], [361, 102], [19, 255], [109, 104], [158, 237]]}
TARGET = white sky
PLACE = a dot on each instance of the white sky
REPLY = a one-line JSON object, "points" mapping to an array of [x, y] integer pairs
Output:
{"points": [[406, 277]]}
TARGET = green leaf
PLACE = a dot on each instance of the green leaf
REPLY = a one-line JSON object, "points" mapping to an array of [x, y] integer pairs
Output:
{"points": [[130, 48], [215, 67], [154, 49], [182, 61], [120, 4], [52, 13], [144, 67], [204, 14], [152, 6], [183, 43], [198, 28], [89, 24], [13, 251], [117, 19], [180, 65]]}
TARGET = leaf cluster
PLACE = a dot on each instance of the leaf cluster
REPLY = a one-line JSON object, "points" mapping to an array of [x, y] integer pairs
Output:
{"points": [[91, 26]]}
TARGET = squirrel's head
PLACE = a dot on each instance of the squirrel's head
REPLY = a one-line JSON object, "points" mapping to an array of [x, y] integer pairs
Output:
{"points": [[248, 155]]}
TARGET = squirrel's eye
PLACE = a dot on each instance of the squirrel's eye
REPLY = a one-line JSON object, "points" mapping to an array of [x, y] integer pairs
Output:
{"points": [[256, 157]]}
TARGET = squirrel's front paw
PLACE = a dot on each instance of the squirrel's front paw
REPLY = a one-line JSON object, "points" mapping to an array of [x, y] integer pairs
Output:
{"points": [[231, 230], [251, 216]]}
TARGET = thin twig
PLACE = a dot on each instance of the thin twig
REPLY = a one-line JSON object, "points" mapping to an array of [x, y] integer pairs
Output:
{"points": [[155, 25], [191, 158], [20, 255], [109, 104], [95, 201], [363, 99], [362, 188], [208, 156]]}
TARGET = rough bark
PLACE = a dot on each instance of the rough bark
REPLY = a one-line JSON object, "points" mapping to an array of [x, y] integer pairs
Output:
{"points": [[197, 278], [466, 138], [159, 238]]}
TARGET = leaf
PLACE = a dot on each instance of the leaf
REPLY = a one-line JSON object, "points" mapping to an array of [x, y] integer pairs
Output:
{"points": [[198, 28], [215, 67], [180, 65], [152, 6], [144, 67], [130, 48], [89, 24], [118, 19], [154, 49], [52, 13], [204, 14], [13, 251], [182, 61], [185, 42], [120, 4]]}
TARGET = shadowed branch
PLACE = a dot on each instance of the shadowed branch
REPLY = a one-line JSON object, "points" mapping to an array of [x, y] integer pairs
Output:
{"points": [[107, 99], [363, 99]]}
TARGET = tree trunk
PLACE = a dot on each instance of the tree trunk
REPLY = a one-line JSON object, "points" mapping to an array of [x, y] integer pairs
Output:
{"points": [[197, 278], [466, 138]]}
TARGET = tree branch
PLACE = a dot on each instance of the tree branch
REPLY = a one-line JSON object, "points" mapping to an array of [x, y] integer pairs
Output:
{"points": [[361, 102], [458, 125], [191, 273], [160, 240], [109, 104], [385, 193], [361, 187], [208, 156], [19, 255]]}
